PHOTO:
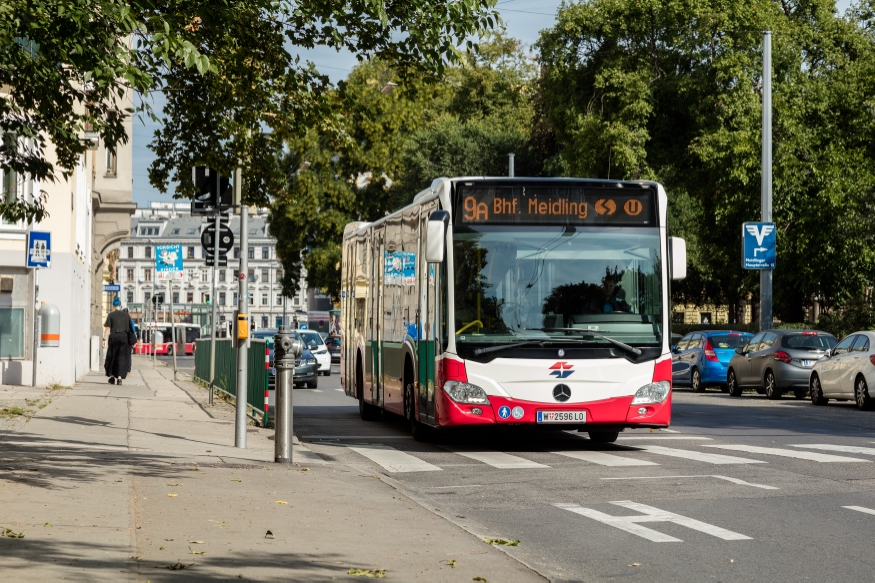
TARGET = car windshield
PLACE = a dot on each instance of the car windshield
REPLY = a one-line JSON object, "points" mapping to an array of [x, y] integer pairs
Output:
{"points": [[818, 342], [512, 281], [729, 340], [312, 339]]}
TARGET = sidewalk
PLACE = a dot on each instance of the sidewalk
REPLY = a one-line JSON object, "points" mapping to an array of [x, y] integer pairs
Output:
{"points": [[142, 482]]}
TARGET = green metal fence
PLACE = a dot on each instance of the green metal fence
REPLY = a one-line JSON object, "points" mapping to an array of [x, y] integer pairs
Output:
{"points": [[226, 370]]}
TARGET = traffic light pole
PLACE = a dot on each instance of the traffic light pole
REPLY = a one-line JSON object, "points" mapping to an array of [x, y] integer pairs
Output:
{"points": [[214, 308], [242, 318], [766, 186]]}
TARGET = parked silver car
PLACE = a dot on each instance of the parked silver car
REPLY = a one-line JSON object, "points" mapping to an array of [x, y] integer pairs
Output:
{"points": [[846, 372], [778, 361]]}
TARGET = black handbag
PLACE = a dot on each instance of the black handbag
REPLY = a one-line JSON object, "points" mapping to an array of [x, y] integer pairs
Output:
{"points": [[132, 336]]}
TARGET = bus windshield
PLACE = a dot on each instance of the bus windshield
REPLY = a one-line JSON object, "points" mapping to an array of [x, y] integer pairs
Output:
{"points": [[519, 282]]}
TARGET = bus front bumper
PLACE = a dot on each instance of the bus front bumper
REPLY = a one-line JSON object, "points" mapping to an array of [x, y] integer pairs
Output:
{"points": [[617, 411]]}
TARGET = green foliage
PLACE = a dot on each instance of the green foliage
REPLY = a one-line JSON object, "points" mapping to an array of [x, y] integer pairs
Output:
{"points": [[672, 91], [394, 143], [857, 314]]}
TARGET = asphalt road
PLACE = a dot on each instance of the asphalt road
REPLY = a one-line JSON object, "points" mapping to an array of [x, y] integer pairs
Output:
{"points": [[739, 488], [183, 363]]}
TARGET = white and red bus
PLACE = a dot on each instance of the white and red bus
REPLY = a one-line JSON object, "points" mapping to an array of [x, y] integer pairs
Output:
{"points": [[159, 332], [508, 301]]}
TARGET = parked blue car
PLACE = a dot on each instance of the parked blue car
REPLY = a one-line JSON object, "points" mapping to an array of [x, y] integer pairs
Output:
{"points": [[700, 359]]}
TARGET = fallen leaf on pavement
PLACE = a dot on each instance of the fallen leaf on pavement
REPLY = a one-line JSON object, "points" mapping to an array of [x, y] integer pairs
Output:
{"points": [[236, 480], [451, 563], [8, 532], [209, 451], [501, 542], [178, 566], [48, 524], [169, 539], [197, 542], [369, 573], [160, 548], [281, 502], [480, 579], [175, 484], [269, 534], [634, 565], [305, 469], [172, 495], [196, 552]]}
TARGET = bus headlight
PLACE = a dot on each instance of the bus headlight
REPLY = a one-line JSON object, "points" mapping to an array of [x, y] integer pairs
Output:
{"points": [[465, 393], [655, 392]]}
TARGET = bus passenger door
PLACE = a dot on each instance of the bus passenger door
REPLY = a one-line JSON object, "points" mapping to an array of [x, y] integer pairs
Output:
{"points": [[375, 358]]}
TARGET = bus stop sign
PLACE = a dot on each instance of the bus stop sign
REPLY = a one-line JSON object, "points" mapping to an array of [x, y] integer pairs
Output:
{"points": [[758, 245]]}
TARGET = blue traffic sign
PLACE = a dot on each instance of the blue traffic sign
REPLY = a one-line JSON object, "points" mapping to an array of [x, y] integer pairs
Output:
{"points": [[111, 288], [168, 262], [758, 245], [39, 249], [303, 326]]}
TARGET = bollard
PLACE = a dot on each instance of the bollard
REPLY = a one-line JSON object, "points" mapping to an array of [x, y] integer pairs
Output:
{"points": [[286, 348]]}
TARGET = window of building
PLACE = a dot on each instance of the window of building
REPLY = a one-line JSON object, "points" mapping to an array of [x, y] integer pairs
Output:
{"points": [[222, 297], [265, 252], [130, 297], [279, 299], [174, 232], [236, 274], [205, 298], [130, 252], [190, 252], [264, 321], [251, 274], [252, 252], [253, 231], [129, 274], [264, 299], [148, 252], [111, 163], [279, 274], [251, 299], [236, 252], [147, 274], [265, 275], [189, 273], [189, 297], [192, 231], [146, 297], [236, 299], [175, 297], [221, 276], [205, 275]]}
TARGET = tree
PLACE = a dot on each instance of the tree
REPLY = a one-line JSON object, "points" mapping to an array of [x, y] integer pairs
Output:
{"points": [[672, 92], [63, 63]]}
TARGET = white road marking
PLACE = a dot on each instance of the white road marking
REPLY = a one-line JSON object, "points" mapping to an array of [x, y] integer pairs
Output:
{"points": [[727, 478], [651, 514], [663, 437], [711, 458], [802, 455], [860, 509], [341, 390], [393, 460], [670, 430], [604, 459], [499, 459], [844, 448]]}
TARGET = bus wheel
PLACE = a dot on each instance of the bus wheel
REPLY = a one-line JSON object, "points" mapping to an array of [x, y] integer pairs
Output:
{"points": [[170, 350], [604, 436], [420, 431], [367, 411]]}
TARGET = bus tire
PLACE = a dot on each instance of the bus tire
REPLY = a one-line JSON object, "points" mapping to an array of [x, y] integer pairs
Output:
{"points": [[170, 350], [604, 436], [367, 411]]}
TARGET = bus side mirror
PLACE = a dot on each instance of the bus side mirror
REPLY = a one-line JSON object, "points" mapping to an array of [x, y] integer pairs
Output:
{"points": [[436, 236], [677, 249]]}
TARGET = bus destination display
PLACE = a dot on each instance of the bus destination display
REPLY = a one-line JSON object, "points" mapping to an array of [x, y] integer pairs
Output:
{"points": [[556, 205]]}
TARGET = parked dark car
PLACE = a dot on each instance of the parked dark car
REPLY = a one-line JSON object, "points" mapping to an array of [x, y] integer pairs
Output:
{"points": [[778, 361], [333, 343], [305, 366], [700, 359]]}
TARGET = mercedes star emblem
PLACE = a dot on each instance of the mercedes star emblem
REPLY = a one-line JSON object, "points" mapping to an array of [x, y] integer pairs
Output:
{"points": [[560, 352], [561, 393]]}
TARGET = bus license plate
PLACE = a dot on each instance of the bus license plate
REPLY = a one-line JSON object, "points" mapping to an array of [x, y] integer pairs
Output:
{"points": [[561, 416]]}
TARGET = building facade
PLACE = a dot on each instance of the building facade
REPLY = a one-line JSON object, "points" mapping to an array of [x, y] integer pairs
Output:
{"points": [[166, 223], [88, 214]]}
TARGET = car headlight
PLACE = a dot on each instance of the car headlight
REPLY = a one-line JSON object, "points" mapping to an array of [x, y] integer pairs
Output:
{"points": [[652, 393], [465, 393], [310, 361]]}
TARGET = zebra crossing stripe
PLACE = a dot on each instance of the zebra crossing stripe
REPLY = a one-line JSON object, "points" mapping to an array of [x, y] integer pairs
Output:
{"points": [[500, 460], [860, 509], [604, 459], [393, 460], [844, 448], [711, 458], [802, 455], [651, 514]]}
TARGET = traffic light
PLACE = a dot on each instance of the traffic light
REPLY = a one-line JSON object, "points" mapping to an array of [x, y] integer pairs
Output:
{"points": [[158, 299]]}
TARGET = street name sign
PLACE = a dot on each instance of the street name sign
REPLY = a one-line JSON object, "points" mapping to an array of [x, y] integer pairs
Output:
{"points": [[168, 262], [758, 245], [39, 249], [111, 288]]}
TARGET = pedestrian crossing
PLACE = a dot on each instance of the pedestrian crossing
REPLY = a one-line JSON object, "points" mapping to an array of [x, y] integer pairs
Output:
{"points": [[395, 460]]}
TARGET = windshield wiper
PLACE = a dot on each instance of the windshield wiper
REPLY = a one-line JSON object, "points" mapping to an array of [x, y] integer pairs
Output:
{"points": [[617, 343], [540, 342]]}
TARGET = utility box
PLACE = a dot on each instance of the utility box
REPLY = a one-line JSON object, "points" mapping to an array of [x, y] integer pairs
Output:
{"points": [[50, 325]]}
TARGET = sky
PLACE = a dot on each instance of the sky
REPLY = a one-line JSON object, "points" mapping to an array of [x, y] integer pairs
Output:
{"points": [[523, 19]]}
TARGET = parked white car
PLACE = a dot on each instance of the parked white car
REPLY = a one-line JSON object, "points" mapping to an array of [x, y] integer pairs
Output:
{"points": [[316, 345], [847, 372]]}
